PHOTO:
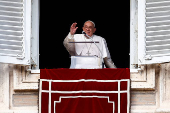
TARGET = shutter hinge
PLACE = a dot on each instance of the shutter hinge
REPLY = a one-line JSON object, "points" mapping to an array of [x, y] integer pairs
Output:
{"points": [[148, 57], [135, 65], [20, 57]]}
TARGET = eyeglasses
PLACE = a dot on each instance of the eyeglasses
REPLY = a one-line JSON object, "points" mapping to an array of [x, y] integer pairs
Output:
{"points": [[86, 27]]}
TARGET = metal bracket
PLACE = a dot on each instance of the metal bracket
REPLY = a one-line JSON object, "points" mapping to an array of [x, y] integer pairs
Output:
{"points": [[33, 64], [148, 57], [20, 57], [135, 65]]}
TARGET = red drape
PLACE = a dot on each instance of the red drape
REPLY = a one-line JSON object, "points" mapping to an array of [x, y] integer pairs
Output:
{"points": [[97, 99]]}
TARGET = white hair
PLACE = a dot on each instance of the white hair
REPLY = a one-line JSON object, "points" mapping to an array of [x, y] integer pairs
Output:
{"points": [[90, 21]]}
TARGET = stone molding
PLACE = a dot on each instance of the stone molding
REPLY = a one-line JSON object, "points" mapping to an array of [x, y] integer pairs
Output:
{"points": [[143, 79], [23, 79]]}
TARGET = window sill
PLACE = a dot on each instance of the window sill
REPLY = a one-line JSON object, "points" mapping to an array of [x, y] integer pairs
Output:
{"points": [[131, 70], [135, 70], [35, 71]]}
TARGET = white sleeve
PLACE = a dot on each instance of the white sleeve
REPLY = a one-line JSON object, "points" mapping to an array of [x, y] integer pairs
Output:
{"points": [[105, 49], [107, 58], [69, 46], [70, 36]]}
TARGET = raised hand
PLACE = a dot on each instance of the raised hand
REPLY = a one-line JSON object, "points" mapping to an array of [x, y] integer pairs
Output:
{"points": [[73, 28]]}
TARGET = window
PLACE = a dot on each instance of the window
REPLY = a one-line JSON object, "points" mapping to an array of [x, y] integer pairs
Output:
{"points": [[19, 27], [150, 31], [55, 26]]}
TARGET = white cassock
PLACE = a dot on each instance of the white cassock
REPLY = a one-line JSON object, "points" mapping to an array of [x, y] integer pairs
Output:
{"points": [[86, 55]]}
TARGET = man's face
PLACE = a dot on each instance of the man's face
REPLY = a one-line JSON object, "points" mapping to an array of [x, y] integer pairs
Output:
{"points": [[89, 28]]}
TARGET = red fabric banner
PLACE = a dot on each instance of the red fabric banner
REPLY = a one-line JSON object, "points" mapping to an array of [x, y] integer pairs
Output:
{"points": [[84, 90]]}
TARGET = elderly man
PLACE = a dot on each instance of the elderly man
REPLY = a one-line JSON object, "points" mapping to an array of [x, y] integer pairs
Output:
{"points": [[99, 50]]}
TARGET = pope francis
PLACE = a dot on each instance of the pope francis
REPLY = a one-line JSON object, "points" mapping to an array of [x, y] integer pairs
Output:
{"points": [[87, 50]]}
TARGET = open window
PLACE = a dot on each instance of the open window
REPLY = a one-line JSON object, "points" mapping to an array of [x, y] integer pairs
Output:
{"points": [[150, 32], [19, 32]]}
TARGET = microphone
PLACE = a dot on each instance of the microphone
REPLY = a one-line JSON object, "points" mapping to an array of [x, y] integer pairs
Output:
{"points": [[96, 46], [83, 32], [87, 36]]}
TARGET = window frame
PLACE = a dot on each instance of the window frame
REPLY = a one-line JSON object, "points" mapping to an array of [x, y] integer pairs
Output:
{"points": [[133, 35], [35, 35]]}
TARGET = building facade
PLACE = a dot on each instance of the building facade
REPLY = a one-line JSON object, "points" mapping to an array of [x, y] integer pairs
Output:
{"points": [[149, 56]]}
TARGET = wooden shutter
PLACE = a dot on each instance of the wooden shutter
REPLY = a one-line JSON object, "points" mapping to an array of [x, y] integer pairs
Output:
{"points": [[155, 33], [15, 25]]}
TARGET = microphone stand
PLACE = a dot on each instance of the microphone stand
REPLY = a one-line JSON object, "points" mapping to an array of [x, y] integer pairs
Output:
{"points": [[96, 46]]}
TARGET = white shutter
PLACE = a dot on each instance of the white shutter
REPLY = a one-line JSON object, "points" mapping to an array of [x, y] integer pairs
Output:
{"points": [[154, 31], [15, 25]]}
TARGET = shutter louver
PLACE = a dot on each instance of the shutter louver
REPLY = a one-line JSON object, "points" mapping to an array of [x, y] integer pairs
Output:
{"points": [[157, 27], [15, 31], [11, 28]]}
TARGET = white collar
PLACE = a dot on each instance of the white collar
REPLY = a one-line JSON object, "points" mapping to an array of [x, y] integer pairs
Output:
{"points": [[90, 37]]}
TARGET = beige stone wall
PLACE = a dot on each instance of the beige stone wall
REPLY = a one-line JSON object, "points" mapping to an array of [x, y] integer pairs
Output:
{"points": [[151, 95], [143, 98], [19, 89], [23, 99], [150, 91]]}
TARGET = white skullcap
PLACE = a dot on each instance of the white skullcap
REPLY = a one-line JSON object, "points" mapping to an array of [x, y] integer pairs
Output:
{"points": [[90, 21]]}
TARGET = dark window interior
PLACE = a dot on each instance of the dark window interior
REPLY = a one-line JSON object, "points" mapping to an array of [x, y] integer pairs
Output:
{"points": [[112, 21]]}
